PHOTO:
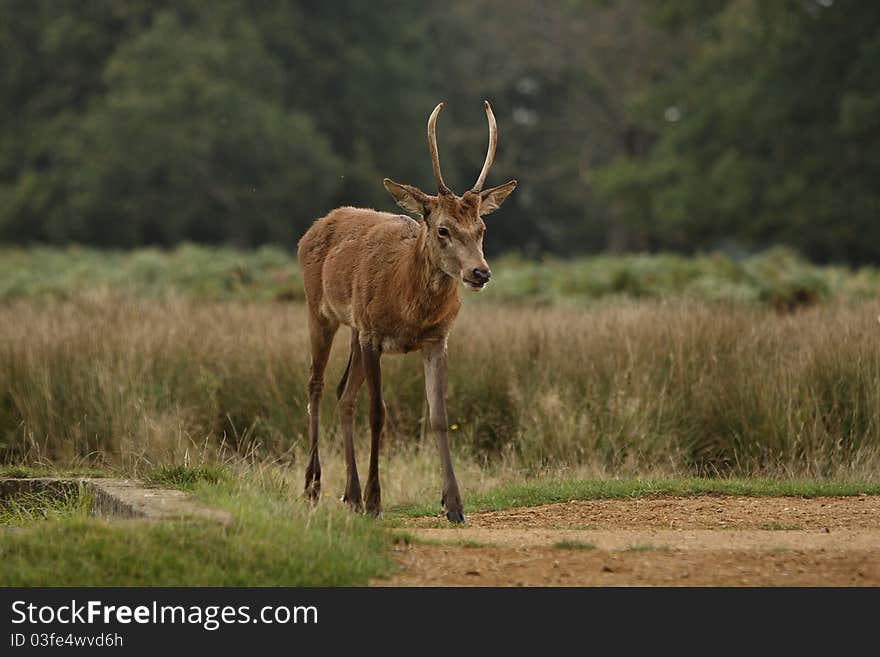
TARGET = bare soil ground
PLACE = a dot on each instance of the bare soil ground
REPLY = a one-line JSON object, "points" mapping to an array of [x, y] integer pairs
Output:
{"points": [[705, 540]]}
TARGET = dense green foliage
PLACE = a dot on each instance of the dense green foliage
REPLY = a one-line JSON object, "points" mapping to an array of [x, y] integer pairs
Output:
{"points": [[778, 277], [767, 132], [684, 124]]}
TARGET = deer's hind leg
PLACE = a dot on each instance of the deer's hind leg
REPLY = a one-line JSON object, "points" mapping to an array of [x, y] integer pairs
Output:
{"points": [[370, 353], [321, 332], [347, 393]]}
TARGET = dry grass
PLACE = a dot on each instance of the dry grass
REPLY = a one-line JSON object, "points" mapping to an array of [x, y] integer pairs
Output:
{"points": [[623, 389]]}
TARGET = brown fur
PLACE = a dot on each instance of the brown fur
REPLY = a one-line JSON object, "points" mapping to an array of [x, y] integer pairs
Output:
{"points": [[373, 271], [394, 281]]}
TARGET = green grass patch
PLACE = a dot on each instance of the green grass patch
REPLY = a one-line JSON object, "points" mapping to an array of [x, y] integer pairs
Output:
{"points": [[574, 545], [546, 492], [275, 539], [185, 477], [28, 508], [28, 472]]}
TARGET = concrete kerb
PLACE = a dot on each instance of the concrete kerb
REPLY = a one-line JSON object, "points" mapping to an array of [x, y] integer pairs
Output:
{"points": [[119, 498]]}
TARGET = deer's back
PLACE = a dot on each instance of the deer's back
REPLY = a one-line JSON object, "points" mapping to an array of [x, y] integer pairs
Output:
{"points": [[351, 257]]}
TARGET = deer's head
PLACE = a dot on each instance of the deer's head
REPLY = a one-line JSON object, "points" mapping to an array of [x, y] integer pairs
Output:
{"points": [[454, 223]]}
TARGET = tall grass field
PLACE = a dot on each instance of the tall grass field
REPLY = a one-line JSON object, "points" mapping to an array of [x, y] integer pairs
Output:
{"points": [[623, 385]]}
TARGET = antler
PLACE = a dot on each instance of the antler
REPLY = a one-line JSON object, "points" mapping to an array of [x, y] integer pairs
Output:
{"points": [[432, 147], [490, 155]]}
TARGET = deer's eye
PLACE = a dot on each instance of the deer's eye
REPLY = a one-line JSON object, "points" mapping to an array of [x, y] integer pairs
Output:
{"points": [[443, 232]]}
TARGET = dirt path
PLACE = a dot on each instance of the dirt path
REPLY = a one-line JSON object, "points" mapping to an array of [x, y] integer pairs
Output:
{"points": [[669, 541]]}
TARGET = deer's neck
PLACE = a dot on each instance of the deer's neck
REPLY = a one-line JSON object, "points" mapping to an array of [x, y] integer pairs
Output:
{"points": [[432, 293]]}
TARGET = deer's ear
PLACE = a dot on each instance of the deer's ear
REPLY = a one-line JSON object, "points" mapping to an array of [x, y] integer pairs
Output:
{"points": [[412, 199], [491, 199]]}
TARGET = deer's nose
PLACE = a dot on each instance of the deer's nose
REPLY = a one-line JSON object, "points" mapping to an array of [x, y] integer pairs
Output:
{"points": [[482, 275]]}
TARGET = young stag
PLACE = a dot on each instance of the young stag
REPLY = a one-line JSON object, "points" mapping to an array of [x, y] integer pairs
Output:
{"points": [[394, 282]]}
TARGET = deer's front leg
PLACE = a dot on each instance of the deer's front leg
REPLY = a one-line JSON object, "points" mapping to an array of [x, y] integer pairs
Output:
{"points": [[434, 358]]}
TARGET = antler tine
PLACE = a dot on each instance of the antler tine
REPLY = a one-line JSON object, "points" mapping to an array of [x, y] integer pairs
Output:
{"points": [[490, 155], [432, 147]]}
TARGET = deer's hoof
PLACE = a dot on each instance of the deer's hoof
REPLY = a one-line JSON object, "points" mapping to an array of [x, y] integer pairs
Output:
{"points": [[455, 516]]}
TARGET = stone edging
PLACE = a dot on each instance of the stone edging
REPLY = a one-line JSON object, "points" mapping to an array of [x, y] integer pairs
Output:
{"points": [[120, 498]]}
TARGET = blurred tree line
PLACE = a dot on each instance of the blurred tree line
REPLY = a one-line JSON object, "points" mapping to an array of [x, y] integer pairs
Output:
{"points": [[685, 124]]}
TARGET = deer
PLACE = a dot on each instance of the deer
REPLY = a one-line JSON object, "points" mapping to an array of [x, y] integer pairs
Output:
{"points": [[394, 281]]}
